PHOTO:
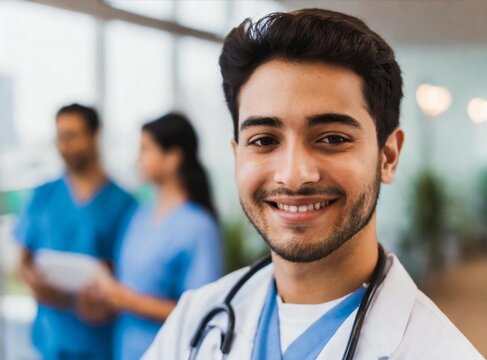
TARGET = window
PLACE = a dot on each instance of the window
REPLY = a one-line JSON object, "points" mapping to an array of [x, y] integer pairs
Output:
{"points": [[209, 15], [47, 60], [40, 48], [201, 98], [254, 9], [162, 9], [138, 89]]}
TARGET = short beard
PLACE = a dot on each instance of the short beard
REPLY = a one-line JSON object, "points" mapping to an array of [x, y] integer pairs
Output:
{"points": [[359, 217], [80, 164]]}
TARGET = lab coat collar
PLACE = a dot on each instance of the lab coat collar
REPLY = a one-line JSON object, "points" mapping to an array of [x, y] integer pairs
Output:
{"points": [[390, 311], [384, 324], [248, 308]]}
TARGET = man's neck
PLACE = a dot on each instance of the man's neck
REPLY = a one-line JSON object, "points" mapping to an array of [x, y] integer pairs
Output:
{"points": [[87, 182], [337, 275]]}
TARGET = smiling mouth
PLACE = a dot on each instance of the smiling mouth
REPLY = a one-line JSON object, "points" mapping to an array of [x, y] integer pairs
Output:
{"points": [[301, 208]]}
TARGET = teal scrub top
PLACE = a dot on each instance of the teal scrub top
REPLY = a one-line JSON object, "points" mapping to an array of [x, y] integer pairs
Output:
{"points": [[53, 219]]}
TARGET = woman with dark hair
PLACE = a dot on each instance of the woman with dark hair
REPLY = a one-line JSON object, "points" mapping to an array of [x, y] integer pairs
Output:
{"points": [[168, 248]]}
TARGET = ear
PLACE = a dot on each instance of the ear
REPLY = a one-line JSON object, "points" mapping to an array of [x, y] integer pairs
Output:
{"points": [[390, 155], [175, 158]]}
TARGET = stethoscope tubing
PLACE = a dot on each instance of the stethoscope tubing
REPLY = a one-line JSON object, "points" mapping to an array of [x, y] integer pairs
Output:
{"points": [[226, 307], [377, 277]]}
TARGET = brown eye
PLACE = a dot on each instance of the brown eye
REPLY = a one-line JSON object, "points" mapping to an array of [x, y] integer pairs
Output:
{"points": [[334, 139], [263, 141]]}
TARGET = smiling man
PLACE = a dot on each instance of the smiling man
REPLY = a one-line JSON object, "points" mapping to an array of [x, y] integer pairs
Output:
{"points": [[315, 97]]}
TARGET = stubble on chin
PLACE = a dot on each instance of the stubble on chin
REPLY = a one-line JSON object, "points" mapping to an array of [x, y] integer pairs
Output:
{"points": [[296, 248]]}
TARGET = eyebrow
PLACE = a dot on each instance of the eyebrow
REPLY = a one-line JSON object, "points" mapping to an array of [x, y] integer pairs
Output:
{"points": [[320, 119], [332, 118], [261, 121]]}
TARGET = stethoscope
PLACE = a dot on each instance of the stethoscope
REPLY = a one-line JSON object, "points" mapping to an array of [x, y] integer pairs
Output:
{"points": [[227, 308]]}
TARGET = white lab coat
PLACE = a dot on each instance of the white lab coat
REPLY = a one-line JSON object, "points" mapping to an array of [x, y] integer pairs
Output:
{"points": [[401, 324]]}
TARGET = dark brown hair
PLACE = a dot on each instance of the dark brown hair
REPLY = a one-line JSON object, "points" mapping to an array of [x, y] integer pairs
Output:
{"points": [[88, 114], [316, 35], [174, 130]]}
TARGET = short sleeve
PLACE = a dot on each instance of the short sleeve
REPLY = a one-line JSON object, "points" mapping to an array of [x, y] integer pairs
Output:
{"points": [[205, 255], [26, 230], [122, 206]]}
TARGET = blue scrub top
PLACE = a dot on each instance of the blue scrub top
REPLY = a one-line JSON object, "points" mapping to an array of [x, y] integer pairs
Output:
{"points": [[53, 219], [163, 259]]}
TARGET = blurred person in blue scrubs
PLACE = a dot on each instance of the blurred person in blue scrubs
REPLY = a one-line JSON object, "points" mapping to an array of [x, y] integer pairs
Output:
{"points": [[168, 248], [81, 212]]}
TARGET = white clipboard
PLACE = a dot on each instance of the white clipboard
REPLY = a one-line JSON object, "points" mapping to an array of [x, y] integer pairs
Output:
{"points": [[67, 271]]}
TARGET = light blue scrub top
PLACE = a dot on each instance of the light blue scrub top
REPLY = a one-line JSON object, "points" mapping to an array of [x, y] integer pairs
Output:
{"points": [[308, 345], [163, 259], [53, 219]]}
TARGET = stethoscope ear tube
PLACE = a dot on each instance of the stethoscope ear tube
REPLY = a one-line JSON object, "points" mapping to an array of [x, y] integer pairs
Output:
{"points": [[259, 264], [226, 308], [377, 277]]}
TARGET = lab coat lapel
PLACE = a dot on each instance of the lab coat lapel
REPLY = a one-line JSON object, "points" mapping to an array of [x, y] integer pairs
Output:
{"points": [[248, 306], [385, 322], [390, 312]]}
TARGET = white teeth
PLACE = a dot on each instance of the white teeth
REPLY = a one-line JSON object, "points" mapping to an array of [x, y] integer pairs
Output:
{"points": [[303, 208]]}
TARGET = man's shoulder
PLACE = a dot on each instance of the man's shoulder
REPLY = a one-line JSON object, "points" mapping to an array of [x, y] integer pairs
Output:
{"points": [[405, 324], [50, 184], [431, 333], [426, 310], [47, 188]]}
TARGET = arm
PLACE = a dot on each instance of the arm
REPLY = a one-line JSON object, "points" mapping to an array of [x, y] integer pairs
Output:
{"points": [[204, 267], [41, 290], [122, 298], [26, 233], [92, 307]]}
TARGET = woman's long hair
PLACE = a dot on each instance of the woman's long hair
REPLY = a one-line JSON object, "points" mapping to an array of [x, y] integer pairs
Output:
{"points": [[175, 131]]}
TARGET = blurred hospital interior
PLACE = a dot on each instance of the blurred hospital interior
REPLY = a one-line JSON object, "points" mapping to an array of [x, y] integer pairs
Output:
{"points": [[134, 60]]}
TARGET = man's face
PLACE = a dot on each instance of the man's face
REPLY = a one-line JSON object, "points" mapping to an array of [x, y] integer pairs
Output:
{"points": [[76, 144], [308, 164]]}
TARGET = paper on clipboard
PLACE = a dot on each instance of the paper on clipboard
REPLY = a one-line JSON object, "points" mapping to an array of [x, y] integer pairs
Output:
{"points": [[67, 271]]}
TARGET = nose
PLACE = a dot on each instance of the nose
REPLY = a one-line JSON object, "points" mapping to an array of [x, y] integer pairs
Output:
{"points": [[297, 167]]}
